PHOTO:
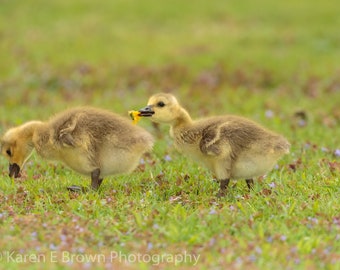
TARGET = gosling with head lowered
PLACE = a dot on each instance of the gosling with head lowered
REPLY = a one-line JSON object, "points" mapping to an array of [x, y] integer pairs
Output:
{"points": [[90, 141], [232, 147]]}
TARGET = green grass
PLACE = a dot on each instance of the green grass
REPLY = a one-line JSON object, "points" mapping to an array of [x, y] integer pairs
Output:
{"points": [[260, 59]]}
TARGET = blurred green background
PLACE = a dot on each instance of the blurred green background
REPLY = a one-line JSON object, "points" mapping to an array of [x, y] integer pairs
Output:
{"points": [[115, 53]]}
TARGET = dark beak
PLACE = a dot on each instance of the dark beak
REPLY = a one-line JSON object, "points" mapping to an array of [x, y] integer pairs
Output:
{"points": [[14, 170], [146, 111]]}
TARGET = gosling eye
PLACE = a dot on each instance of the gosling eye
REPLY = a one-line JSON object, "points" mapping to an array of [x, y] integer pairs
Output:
{"points": [[8, 152], [160, 104]]}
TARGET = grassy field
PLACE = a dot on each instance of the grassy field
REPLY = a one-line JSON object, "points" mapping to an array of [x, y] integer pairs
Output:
{"points": [[274, 62]]}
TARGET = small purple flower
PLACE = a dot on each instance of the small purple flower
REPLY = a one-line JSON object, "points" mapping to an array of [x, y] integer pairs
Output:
{"points": [[269, 114], [293, 250], [239, 261], [63, 238], [212, 241], [302, 123], [324, 149], [142, 161], [283, 238], [108, 265], [270, 239], [87, 265], [258, 250], [167, 158], [34, 235], [212, 211], [252, 258], [327, 250], [336, 221], [272, 185], [313, 220], [53, 246], [337, 152], [150, 246], [307, 146]]}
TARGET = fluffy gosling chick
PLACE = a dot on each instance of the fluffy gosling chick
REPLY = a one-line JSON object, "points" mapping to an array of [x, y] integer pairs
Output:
{"points": [[232, 147], [90, 141]]}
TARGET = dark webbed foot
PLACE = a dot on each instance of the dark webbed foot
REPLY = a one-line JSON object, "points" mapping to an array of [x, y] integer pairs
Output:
{"points": [[250, 183], [95, 180], [223, 188], [95, 183], [75, 188]]}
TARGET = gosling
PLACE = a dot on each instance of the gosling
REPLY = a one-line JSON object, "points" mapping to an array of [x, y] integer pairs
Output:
{"points": [[231, 147], [91, 141]]}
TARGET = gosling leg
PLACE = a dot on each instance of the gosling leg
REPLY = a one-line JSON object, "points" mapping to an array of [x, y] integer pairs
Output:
{"points": [[250, 183], [95, 180], [223, 187], [95, 183]]}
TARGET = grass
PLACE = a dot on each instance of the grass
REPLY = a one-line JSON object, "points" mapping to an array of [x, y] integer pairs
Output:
{"points": [[271, 62]]}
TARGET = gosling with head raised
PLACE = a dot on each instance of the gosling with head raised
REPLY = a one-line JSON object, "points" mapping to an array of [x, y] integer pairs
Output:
{"points": [[232, 147], [90, 141]]}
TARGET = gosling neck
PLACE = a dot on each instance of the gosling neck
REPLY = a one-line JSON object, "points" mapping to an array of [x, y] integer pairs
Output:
{"points": [[29, 128], [182, 120], [28, 131]]}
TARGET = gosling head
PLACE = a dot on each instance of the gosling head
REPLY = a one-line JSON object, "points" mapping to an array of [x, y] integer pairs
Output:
{"points": [[162, 108], [16, 145]]}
